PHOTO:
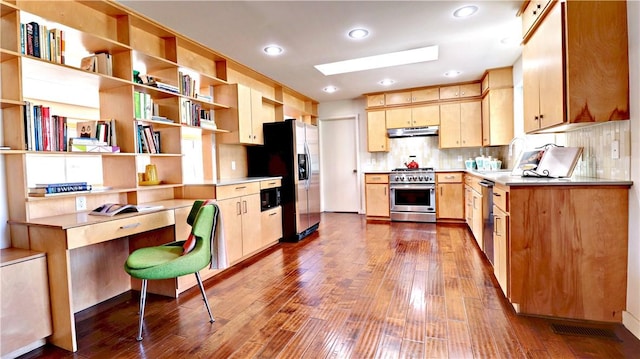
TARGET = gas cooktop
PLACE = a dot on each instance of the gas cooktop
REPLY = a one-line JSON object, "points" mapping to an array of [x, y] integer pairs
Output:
{"points": [[412, 175], [424, 169]]}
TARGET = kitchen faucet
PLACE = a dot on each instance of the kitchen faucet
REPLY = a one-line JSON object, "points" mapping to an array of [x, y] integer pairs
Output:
{"points": [[520, 138]]}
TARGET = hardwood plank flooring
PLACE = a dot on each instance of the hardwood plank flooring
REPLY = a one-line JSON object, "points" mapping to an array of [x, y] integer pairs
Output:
{"points": [[354, 289]]}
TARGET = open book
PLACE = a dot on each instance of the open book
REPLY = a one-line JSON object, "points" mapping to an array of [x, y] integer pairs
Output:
{"points": [[553, 161], [111, 209]]}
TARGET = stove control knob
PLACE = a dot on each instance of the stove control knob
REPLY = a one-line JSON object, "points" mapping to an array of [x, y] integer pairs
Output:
{"points": [[421, 178]]}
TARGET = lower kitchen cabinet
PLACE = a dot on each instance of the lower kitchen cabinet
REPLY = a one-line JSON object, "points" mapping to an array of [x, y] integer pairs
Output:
{"points": [[450, 196], [377, 196], [271, 222], [240, 209], [501, 248]]}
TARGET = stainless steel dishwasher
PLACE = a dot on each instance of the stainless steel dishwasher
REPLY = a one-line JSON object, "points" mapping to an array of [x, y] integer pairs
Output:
{"points": [[487, 218]]}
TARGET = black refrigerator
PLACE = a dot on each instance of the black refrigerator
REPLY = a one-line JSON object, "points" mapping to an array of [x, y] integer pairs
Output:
{"points": [[291, 150]]}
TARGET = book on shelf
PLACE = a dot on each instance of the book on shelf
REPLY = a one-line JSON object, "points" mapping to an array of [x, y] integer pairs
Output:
{"points": [[146, 138], [100, 63], [112, 209], [57, 188], [39, 41]]}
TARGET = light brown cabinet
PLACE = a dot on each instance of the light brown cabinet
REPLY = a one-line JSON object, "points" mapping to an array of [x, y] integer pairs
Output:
{"points": [[461, 124], [375, 100], [414, 96], [240, 208], [450, 196], [531, 14], [377, 140], [567, 80], [25, 316], [271, 224], [420, 116], [501, 237], [460, 91], [377, 196], [497, 107], [244, 118]]}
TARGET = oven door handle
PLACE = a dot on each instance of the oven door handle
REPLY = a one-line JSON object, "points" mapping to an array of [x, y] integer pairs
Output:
{"points": [[413, 186]]}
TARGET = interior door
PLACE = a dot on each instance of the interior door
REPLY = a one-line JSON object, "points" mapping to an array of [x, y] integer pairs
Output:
{"points": [[340, 184]]}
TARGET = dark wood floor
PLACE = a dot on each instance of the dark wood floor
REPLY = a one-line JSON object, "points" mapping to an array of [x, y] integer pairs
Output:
{"points": [[352, 290]]}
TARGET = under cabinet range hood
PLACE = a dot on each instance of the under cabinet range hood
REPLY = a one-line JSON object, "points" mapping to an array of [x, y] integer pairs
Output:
{"points": [[412, 132]]}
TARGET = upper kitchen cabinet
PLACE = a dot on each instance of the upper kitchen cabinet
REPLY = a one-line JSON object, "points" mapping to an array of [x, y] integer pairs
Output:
{"points": [[377, 140], [575, 65], [497, 107], [421, 116], [243, 119], [454, 92], [407, 97], [461, 124]]}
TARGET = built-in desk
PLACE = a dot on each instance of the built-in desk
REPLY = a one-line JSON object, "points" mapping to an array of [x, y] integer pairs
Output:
{"points": [[86, 255]]}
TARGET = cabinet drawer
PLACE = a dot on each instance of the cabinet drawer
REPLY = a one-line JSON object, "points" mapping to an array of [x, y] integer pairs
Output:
{"points": [[376, 178], [104, 231], [449, 177], [473, 182], [270, 184], [501, 197], [237, 190]]}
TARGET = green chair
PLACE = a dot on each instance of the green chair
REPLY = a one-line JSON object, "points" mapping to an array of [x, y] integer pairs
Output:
{"points": [[170, 261]]}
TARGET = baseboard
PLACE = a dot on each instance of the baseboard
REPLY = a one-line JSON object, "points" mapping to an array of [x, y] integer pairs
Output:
{"points": [[631, 323], [24, 350]]}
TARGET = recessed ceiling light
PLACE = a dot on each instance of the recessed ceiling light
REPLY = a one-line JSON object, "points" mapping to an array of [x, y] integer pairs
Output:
{"points": [[330, 89], [273, 50], [465, 11], [358, 33], [386, 82], [422, 54], [452, 73]]}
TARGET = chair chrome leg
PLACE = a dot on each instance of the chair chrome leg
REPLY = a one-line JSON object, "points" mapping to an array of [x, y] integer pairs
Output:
{"points": [[204, 297], [143, 299]]}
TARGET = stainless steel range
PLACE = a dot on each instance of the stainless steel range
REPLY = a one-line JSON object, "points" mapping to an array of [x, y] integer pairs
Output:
{"points": [[413, 195]]}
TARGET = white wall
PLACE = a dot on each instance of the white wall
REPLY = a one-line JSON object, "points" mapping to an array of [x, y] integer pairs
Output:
{"points": [[631, 318]]}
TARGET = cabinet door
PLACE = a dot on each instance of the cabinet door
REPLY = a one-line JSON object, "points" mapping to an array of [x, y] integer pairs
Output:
{"points": [[257, 118], [430, 94], [425, 116], [397, 98], [470, 90], [497, 126], [476, 227], [251, 219], [501, 248], [471, 124], [449, 92], [377, 140], [450, 200], [531, 84], [486, 119], [377, 199], [449, 125], [399, 118], [375, 100], [271, 222], [245, 125], [551, 71], [232, 216]]}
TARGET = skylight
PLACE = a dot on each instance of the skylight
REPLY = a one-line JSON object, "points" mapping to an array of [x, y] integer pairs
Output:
{"points": [[423, 54]]}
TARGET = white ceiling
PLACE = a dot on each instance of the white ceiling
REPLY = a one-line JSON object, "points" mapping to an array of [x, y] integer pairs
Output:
{"points": [[314, 32]]}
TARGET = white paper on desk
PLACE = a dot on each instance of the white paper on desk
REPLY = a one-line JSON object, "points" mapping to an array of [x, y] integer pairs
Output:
{"points": [[559, 161]]}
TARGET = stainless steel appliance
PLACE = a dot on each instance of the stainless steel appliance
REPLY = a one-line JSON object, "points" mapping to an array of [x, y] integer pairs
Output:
{"points": [[291, 150], [413, 195], [269, 198], [487, 219]]}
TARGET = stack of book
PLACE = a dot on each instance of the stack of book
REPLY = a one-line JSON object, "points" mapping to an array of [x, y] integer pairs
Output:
{"points": [[43, 131], [148, 139], [52, 189], [143, 105], [39, 41], [188, 85]]}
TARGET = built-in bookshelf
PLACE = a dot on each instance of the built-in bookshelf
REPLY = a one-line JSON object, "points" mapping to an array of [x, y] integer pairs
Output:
{"points": [[178, 78]]}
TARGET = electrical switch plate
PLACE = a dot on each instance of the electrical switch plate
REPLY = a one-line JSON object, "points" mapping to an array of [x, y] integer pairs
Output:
{"points": [[615, 149], [81, 203]]}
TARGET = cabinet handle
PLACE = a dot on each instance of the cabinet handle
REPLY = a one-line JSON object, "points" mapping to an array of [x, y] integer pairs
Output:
{"points": [[497, 194], [535, 118], [449, 177], [408, 99], [129, 226], [541, 116], [385, 191], [272, 214], [244, 204], [238, 210], [495, 226], [270, 183], [440, 191], [241, 187]]}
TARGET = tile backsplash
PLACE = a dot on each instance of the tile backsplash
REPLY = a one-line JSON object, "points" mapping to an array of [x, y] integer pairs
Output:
{"points": [[596, 160]]}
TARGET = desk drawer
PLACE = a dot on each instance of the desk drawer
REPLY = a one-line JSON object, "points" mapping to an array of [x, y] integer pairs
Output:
{"points": [[237, 190], [104, 231], [270, 184]]}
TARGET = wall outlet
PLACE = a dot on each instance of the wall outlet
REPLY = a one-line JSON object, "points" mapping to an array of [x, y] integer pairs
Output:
{"points": [[81, 203], [615, 149], [233, 165]]}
